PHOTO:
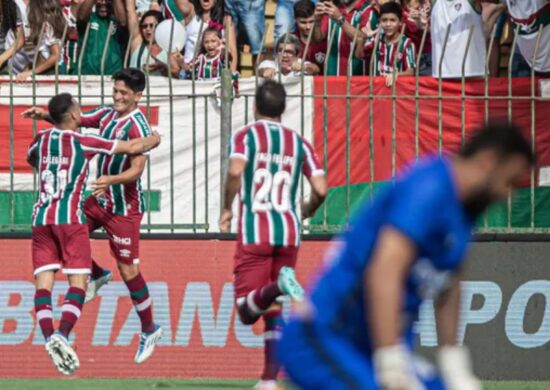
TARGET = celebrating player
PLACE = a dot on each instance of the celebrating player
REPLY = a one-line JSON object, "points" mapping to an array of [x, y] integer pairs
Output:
{"points": [[117, 203], [266, 160], [60, 238], [355, 329]]}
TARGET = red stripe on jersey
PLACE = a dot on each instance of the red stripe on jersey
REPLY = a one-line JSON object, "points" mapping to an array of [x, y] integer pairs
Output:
{"points": [[261, 147], [288, 216]]}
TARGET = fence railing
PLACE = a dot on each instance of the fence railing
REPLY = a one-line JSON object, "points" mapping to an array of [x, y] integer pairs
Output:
{"points": [[210, 115]]}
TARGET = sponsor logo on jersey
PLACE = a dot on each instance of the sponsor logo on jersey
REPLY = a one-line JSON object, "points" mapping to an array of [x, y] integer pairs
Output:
{"points": [[320, 57], [124, 253]]}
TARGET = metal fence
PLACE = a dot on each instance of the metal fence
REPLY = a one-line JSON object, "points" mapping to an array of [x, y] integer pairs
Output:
{"points": [[200, 216]]}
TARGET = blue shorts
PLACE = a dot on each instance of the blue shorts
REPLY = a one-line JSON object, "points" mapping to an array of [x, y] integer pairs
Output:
{"points": [[315, 359]]}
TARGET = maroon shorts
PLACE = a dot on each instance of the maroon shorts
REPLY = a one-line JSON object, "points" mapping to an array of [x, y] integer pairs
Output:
{"points": [[258, 265], [123, 231], [61, 246]]}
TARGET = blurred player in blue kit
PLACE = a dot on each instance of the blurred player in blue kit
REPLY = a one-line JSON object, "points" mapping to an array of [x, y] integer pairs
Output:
{"points": [[354, 330]]}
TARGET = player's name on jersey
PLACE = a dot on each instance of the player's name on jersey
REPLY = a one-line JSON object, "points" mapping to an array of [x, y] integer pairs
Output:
{"points": [[276, 158], [55, 160]]}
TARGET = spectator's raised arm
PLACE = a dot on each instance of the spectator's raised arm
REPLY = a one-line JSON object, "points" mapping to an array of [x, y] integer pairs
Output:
{"points": [[84, 11], [119, 10], [319, 34], [133, 22]]}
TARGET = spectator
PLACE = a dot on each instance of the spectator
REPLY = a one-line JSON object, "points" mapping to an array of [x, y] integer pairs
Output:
{"points": [[530, 16], [69, 61], [47, 23], [417, 13], [11, 31], [143, 39], [251, 13], [304, 11], [461, 15], [287, 61], [343, 17], [212, 13], [393, 51], [491, 15], [210, 62], [19, 49], [106, 11]]}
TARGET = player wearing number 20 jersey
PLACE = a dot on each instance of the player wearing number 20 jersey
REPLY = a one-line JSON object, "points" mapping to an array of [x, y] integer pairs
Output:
{"points": [[276, 157], [266, 162]]}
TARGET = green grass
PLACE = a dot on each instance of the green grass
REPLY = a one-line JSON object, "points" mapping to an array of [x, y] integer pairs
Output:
{"points": [[191, 384]]}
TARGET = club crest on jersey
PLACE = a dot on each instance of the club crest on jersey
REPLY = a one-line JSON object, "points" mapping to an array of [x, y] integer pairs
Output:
{"points": [[458, 6], [119, 134], [320, 57]]}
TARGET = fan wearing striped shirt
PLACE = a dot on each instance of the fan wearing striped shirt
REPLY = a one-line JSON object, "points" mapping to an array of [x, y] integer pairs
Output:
{"points": [[393, 51], [60, 239], [266, 162]]}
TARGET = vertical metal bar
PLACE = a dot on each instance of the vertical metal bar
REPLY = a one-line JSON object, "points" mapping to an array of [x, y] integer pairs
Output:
{"points": [[417, 96], [440, 92], [171, 105], [128, 47], [258, 62], [348, 123], [371, 117], [80, 57], [148, 115], [245, 109], [198, 44], [394, 117], [60, 58], [206, 141], [34, 61], [302, 96], [463, 86], [533, 123], [103, 58], [486, 101], [510, 101], [279, 58], [12, 147], [325, 117]]}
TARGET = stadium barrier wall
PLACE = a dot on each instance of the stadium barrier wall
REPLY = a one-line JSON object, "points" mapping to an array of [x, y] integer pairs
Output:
{"points": [[505, 312]]}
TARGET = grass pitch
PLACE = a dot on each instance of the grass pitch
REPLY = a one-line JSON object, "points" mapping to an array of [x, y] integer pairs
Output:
{"points": [[191, 384]]}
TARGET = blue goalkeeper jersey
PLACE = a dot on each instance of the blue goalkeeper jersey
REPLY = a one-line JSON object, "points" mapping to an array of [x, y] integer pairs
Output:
{"points": [[424, 206]]}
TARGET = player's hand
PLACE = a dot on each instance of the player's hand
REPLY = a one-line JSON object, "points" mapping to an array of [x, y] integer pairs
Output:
{"points": [[225, 220], [101, 185], [456, 368], [35, 113], [393, 368]]}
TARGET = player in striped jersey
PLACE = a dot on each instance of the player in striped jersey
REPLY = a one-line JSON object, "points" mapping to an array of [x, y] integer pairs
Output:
{"points": [[266, 161], [392, 50], [118, 204], [59, 234]]}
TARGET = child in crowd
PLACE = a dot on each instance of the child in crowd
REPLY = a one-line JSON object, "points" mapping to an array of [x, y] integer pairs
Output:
{"points": [[209, 64], [393, 50]]}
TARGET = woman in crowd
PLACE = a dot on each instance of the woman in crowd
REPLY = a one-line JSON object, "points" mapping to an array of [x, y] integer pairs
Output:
{"points": [[47, 23], [14, 30]]}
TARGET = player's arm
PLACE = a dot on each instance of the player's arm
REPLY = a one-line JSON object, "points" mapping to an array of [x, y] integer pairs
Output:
{"points": [[318, 194], [135, 147], [37, 114], [384, 279], [231, 188], [454, 361]]}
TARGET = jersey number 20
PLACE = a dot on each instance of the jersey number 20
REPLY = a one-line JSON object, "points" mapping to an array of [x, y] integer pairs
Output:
{"points": [[274, 191]]}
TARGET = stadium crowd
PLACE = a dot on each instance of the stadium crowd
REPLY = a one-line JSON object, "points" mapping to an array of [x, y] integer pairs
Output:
{"points": [[388, 32]]}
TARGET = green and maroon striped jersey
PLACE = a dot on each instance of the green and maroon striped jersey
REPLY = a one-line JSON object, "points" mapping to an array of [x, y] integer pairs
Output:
{"points": [[122, 199], [400, 54], [276, 157], [62, 158], [209, 68]]}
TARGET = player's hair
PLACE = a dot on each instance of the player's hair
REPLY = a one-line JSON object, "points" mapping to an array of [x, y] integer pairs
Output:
{"points": [[270, 99], [391, 8], [304, 9], [291, 40], [132, 77], [59, 106], [504, 138]]}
